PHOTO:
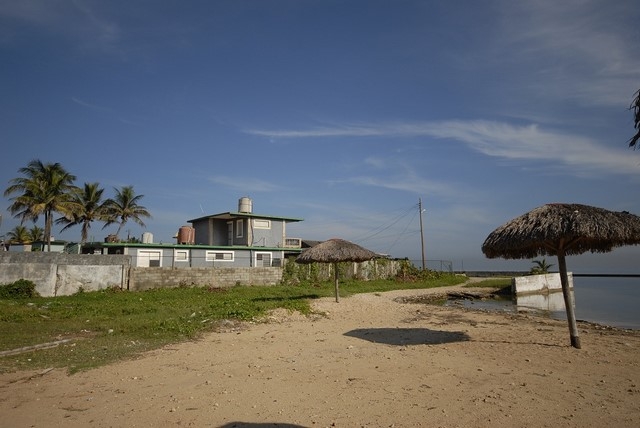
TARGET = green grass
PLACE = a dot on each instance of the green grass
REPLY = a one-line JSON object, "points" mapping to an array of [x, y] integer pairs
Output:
{"points": [[491, 283], [108, 326], [502, 284]]}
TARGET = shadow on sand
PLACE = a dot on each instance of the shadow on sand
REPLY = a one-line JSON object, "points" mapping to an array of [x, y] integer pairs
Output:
{"points": [[408, 336], [260, 425]]}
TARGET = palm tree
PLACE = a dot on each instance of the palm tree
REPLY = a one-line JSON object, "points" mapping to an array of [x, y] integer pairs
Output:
{"points": [[19, 235], [124, 207], [635, 106], [44, 189], [91, 208], [36, 234], [541, 267]]}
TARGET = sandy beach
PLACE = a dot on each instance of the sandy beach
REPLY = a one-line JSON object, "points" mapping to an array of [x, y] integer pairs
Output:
{"points": [[369, 361]]}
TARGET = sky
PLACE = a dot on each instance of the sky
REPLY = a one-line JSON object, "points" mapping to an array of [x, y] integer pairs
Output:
{"points": [[343, 113]]}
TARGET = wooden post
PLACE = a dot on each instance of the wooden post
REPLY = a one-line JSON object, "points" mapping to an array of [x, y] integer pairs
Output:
{"points": [[568, 301], [421, 232], [335, 275]]}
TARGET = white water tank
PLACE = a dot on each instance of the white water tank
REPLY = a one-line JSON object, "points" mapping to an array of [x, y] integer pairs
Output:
{"points": [[245, 205], [147, 238]]}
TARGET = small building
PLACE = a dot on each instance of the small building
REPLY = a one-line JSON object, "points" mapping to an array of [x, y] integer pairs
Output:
{"points": [[180, 255]]}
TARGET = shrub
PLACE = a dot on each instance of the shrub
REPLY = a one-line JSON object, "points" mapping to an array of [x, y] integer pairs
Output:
{"points": [[21, 289]]}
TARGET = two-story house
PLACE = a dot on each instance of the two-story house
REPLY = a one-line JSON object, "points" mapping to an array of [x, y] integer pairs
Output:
{"points": [[230, 239]]}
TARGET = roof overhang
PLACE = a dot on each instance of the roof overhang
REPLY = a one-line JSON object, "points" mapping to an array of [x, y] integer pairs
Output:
{"points": [[239, 215]]}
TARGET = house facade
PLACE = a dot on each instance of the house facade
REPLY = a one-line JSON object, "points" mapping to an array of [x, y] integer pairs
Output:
{"points": [[229, 239]]}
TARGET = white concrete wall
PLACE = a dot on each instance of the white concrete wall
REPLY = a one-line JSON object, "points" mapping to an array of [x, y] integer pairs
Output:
{"points": [[57, 274], [535, 284]]}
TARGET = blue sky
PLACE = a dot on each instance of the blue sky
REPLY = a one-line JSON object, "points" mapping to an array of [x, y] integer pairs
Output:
{"points": [[343, 113]]}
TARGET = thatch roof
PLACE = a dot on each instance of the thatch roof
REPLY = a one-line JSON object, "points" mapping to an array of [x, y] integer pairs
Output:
{"points": [[571, 228], [335, 250]]}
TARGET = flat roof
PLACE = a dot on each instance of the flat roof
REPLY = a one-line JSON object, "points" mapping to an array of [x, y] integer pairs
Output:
{"points": [[193, 246], [231, 215]]}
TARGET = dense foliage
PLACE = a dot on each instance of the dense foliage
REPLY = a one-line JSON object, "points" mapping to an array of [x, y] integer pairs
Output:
{"points": [[21, 289], [45, 189]]}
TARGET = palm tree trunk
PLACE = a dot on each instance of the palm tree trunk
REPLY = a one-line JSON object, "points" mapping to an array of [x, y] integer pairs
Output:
{"points": [[119, 229], [47, 229], [85, 232]]}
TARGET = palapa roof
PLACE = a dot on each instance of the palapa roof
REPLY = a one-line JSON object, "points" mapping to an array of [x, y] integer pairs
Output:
{"points": [[335, 250], [571, 228]]}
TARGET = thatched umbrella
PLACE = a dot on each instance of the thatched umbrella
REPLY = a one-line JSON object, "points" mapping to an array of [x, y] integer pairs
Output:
{"points": [[335, 251], [561, 230]]}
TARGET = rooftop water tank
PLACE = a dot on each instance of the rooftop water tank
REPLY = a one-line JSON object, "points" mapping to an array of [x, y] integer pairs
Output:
{"points": [[245, 205], [147, 238], [186, 235]]}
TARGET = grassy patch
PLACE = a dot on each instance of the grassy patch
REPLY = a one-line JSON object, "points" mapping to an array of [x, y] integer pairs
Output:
{"points": [[491, 283], [108, 325], [502, 284]]}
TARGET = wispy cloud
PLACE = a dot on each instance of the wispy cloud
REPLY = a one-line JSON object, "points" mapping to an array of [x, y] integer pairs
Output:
{"points": [[605, 61], [246, 185], [89, 105], [497, 139], [77, 20], [394, 174]]}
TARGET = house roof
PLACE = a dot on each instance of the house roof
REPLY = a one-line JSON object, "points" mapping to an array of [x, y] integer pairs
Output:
{"points": [[237, 215], [189, 246]]}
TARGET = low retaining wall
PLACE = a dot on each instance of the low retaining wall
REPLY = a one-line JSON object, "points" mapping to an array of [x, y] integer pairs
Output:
{"points": [[57, 274], [537, 284], [147, 278]]}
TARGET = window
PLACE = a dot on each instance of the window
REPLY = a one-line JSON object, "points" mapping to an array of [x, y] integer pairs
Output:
{"points": [[219, 256], [263, 260], [181, 256], [149, 258], [239, 228], [262, 224]]}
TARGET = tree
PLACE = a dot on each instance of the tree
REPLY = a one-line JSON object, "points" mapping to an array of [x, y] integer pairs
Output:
{"points": [[36, 234], [43, 190], [124, 207], [19, 235], [541, 267], [635, 106], [91, 208]]}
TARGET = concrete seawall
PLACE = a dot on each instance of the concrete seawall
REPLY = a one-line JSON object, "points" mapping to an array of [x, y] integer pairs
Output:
{"points": [[538, 284]]}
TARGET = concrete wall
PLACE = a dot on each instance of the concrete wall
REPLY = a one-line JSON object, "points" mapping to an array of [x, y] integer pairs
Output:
{"points": [[535, 284], [147, 278], [57, 274]]}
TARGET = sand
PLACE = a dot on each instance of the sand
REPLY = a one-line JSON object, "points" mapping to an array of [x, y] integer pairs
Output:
{"points": [[368, 361]]}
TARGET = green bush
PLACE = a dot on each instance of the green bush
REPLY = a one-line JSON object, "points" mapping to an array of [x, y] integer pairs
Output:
{"points": [[21, 289]]}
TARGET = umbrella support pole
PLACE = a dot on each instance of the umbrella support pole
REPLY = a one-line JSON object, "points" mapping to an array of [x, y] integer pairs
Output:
{"points": [[568, 302], [335, 276]]}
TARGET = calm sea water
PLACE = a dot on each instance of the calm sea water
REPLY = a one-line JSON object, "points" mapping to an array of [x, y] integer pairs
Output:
{"points": [[608, 301]]}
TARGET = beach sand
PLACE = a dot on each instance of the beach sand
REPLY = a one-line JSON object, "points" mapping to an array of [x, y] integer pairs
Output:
{"points": [[368, 361]]}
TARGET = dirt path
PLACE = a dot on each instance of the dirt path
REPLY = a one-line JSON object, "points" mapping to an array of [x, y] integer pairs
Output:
{"points": [[369, 361]]}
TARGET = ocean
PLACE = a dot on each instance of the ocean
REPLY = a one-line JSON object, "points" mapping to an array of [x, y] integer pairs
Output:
{"points": [[608, 301]]}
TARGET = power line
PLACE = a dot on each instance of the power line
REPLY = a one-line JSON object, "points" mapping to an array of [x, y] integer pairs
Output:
{"points": [[378, 230], [403, 232]]}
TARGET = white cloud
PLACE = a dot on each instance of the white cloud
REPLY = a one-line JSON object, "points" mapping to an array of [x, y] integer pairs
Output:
{"points": [[579, 155], [89, 105], [77, 20], [575, 49]]}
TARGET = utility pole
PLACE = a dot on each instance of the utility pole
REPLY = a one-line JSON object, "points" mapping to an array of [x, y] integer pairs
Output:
{"points": [[421, 231]]}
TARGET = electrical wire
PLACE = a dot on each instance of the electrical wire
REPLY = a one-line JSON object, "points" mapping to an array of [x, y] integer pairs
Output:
{"points": [[384, 227]]}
